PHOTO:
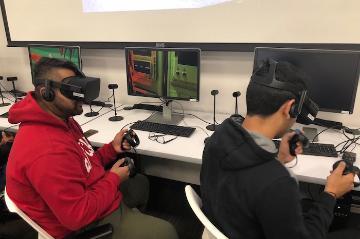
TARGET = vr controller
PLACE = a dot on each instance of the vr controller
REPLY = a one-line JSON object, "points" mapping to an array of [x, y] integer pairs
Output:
{"points": [[298, 137], [132, 138], [130, 163], [349, 168]]}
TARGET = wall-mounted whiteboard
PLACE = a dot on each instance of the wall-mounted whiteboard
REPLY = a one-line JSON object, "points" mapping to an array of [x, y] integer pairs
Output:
{"points": [[184, 21]]}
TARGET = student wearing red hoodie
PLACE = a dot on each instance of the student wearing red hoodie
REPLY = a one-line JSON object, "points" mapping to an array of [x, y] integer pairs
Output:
{"points": [[56, 177]]}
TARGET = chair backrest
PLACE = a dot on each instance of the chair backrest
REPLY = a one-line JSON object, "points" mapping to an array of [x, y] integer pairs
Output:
{"points": [[196, 204], [42, 234]]}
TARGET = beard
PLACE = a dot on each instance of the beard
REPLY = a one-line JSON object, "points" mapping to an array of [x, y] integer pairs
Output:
{"points": [[78, 108], [75, 109]]}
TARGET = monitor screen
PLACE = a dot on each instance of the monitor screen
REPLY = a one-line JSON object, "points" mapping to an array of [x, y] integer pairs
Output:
{"points": [[169, 73], [333, 74], [70, 53]]}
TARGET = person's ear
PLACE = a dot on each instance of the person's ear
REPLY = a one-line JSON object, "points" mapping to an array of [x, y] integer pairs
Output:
{"points": [[286, 107], [42, 91], [47, 93]]}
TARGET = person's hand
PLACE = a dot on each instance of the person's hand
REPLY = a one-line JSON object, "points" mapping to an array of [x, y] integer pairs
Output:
{"points": [[122, 171], [284, 155], [338, 184], [6, 138], [116, 143]]}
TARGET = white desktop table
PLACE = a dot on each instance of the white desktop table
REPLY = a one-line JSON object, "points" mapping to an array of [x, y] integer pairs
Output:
{"points": [[315, 169], [81, 119], [181, 158]]}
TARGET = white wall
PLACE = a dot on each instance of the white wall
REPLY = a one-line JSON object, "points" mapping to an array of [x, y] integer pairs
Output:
{"points": [[224, 71]]}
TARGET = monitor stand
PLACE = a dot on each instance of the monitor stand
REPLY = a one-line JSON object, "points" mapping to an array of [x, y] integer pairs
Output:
{"points": [[166, 116]]}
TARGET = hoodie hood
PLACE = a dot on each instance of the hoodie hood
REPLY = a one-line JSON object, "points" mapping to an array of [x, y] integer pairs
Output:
{"points": [[229, 140], [28, 111]]}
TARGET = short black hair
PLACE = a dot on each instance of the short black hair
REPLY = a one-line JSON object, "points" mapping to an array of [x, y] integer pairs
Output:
{"points": [[45, 65], [264, 101]]}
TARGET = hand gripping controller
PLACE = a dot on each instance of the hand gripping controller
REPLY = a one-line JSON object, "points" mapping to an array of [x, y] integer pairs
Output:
{"points": [[134, 141], [131, 138], [130, 163], [349, 168], [298, 137]]}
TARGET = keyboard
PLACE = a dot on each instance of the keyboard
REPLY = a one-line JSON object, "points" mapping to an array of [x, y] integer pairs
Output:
{"points": [[167, 129], [316, 149], [148, 107]]}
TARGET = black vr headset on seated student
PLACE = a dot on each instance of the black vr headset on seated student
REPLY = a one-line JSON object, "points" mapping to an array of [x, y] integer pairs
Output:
{"points": [[304, 108], [79, 88]]}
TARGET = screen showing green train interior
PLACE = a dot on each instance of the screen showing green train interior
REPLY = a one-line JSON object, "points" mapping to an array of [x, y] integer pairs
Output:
{"points": [[60, 52]]}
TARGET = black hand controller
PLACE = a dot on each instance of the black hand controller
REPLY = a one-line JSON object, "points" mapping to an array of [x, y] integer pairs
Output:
{"points": [[349, 168], [298, 137], [131, 138], [130, 163]]}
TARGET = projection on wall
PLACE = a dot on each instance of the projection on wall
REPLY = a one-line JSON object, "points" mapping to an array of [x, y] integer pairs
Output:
{"points": [[137, 5]]}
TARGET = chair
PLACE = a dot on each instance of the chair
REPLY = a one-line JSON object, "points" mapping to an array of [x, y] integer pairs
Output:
{"points": [[210, 231], [102, 231], [42, 234]]}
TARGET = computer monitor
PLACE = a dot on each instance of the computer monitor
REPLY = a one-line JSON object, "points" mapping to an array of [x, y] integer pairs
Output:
{"points": [[168, 73], [70, 53], [333, 74]]}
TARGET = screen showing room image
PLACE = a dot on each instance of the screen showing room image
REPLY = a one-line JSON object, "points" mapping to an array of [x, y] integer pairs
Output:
{"points": [[166, 73], [69, 53]]}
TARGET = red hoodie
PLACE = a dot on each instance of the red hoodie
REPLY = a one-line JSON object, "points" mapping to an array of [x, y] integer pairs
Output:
{"points": [[53, 173]]}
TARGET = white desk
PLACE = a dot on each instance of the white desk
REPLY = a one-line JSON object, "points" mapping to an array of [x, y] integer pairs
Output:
{"points": [[181, 158], [181, 149], [4, 123], [81, 119], [315, 169]]}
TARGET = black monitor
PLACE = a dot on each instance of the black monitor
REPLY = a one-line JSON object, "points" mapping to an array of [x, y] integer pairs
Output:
{"points": [[69, 53], [333, 74], [168, 73]]}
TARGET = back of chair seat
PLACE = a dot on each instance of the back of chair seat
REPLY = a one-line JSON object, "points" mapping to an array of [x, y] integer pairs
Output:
{"points": [[196, 204], [13, 208]]}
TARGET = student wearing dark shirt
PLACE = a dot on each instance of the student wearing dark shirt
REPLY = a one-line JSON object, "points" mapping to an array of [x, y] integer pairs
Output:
{"points": [[247, 191]]}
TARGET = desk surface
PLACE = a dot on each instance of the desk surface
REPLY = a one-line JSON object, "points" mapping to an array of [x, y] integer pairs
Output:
{"points": [[181, 149], [309, 168]]}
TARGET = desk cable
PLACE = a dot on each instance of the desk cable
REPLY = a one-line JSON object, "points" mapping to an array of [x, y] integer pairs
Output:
{"points": [[183, 113], [296, 162], [349, 142], [98, 116], [322, 131]]}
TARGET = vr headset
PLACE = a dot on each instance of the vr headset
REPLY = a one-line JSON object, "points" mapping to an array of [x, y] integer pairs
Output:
{"points": [[79, 88], [304, 109]]}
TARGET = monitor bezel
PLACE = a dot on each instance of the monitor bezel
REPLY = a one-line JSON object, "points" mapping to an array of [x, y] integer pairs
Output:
{"points": [[165, 49], [357, 72], [52, 46]]}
